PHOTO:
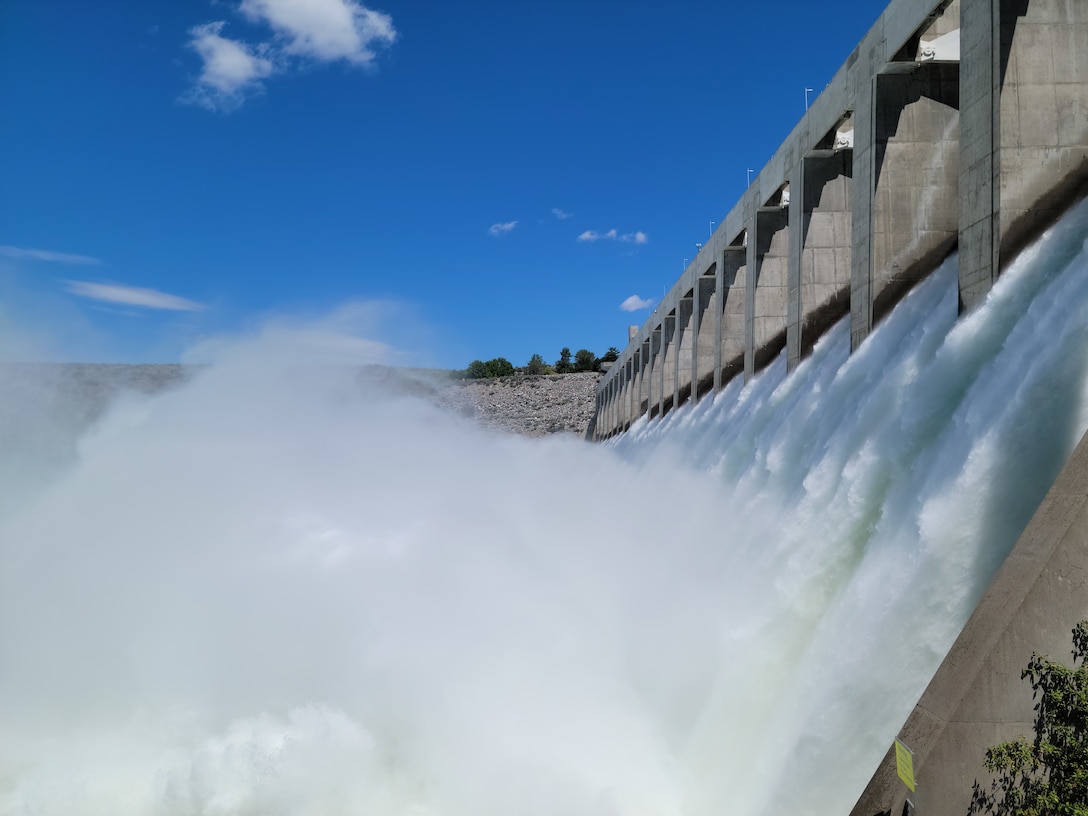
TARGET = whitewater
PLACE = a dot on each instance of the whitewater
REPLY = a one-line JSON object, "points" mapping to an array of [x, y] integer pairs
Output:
{"points": [[278, 589]]}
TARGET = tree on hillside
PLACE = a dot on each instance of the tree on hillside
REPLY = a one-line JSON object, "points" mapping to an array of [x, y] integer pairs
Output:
{"points": [[611, 355], [585, 360], [499, 367], [563, 364], [536, 365], [477, 370], [1046, 776]]}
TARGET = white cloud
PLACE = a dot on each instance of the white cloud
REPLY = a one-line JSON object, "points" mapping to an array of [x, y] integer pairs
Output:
{"points": [[325, 30], [635, 303], [231, 71], [47, 255], [560, 214], [502, 229], [638, 237], [133, 296], [318, 30]]}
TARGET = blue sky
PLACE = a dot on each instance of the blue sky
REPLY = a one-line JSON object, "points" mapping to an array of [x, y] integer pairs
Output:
{"points": [[500, 176]]}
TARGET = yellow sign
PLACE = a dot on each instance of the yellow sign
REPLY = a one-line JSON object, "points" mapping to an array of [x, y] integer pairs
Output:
{"points": [[904, 764]]}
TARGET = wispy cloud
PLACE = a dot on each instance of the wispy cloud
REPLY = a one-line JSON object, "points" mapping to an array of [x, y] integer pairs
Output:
{"points": [[319, 31], [638, 237], [502, 229], [635, 303], [561, 214], [324, 30], [232, 69], [47, 255], [132, 296]]}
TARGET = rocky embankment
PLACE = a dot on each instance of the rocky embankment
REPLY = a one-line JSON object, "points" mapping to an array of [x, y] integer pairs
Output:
{"points": [[524, 404], [50, 396]]}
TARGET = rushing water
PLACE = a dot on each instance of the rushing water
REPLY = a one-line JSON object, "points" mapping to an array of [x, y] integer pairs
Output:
{"points": [[270, 591]]}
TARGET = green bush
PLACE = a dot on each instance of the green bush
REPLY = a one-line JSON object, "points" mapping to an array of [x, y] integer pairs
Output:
{"points": [[499, 367], [536, 365], [1046, 776], [585, 360], [563, 365]]}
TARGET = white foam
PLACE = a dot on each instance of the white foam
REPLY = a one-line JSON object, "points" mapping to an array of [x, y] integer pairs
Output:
{"points": [[273, 591]]}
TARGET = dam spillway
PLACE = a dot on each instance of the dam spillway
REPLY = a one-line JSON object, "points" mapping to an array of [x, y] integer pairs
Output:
{"points": [[277, 589], [955, 125]]}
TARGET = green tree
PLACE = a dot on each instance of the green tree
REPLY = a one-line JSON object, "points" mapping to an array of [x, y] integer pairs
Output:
{"points": [[1047, 776], [611, 355], [585, 360], [536, 365], [477, 370], [563, 364], [499, 367]]}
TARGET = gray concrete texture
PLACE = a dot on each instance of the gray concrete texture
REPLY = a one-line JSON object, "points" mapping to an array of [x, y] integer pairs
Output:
{"points": [[768, 273], [686, 351], [706, 307], [669, 361], [732, 322], [824, 285], [915, 205]]}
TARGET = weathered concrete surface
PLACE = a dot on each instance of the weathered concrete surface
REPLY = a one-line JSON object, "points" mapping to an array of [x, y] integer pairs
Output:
{"points": [[977, 698], [668, 361], [824, 286], [652, 387], [1044, 112], [768, 271], [980, 96], [1024, 147], [915, 215], [686, 334], [862, 67], [706, 322], [733, 284]]}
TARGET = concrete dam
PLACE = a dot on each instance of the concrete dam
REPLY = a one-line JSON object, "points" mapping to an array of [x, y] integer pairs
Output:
{"points": [[959, 125], [956, 127]]}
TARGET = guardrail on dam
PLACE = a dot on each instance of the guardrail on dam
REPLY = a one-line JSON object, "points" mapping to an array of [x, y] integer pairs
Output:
{"points": [[953, 124]]}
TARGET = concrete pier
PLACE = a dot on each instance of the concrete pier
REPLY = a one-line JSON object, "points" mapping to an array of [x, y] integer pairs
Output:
{"points": [[955, 125]]}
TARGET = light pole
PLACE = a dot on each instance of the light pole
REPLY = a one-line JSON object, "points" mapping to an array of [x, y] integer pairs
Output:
{"points": [[807, 92], [750, 171]]}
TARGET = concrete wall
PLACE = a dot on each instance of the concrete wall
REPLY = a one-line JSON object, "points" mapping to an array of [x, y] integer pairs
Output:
{"points": [[1024, 147], [823, 288], [705, 324], [767, 270], [915, 209], [954, 125], [733, 283], [977, 698], [685, 347]]}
